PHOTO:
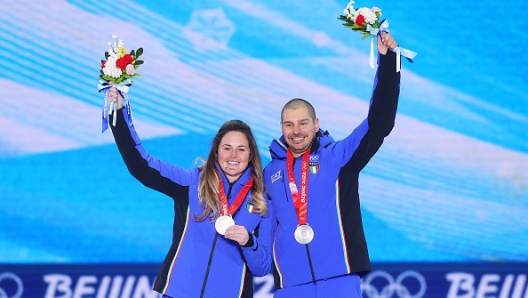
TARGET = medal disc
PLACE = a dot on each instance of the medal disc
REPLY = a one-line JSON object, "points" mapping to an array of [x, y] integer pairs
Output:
{"points": [[304, 234], [222, 223]]}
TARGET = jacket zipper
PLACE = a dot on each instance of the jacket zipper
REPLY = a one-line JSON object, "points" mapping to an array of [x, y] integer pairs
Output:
{"points": [[312, 271], [208, 265], [212, 252], [310, 262]]}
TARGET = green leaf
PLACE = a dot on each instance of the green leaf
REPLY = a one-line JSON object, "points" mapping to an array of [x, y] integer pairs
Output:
{"points": [[132, 53], [107, 78], [138, 62], [137, 74], [139, 52], [106, 55]]}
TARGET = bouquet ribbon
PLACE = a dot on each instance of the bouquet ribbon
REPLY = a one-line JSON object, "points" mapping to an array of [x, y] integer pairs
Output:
{"points": [[405, 53], [123, 89], [384, 27]]}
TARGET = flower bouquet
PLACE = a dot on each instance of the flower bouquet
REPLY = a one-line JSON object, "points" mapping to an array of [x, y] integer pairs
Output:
{"points": [[117, 71], [367, 22], [361, 20]]}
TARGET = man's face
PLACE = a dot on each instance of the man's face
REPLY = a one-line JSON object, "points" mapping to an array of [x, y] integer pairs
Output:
{"points": [[298, 129]]}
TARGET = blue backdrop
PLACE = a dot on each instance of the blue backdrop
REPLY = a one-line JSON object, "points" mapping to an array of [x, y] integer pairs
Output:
{"points": [[448, 185]]}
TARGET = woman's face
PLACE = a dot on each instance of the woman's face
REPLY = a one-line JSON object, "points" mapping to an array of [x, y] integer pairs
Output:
{"points": [[233, 154]]}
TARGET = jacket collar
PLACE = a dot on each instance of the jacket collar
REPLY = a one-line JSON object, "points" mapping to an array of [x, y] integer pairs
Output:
{"points": [[279, 148]]}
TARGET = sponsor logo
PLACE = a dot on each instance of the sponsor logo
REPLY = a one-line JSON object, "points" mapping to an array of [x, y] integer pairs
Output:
{"points": [[276, 176]]}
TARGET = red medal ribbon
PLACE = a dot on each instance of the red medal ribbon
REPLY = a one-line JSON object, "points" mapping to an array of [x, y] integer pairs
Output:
{"points": [[300, 201], [238, 200]]}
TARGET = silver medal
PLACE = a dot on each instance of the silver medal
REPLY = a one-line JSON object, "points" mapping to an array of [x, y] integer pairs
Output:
{"points": [[222, 223], [304, 234]]}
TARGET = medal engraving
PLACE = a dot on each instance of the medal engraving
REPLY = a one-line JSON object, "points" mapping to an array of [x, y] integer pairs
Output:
{"points": [[222, 223], [304, 234]]}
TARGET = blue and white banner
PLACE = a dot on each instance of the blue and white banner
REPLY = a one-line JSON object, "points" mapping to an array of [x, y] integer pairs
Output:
{"points": [[387, 280]]}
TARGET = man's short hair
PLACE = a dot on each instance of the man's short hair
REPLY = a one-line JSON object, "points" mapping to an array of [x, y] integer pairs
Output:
{"points": [[298, 103]]}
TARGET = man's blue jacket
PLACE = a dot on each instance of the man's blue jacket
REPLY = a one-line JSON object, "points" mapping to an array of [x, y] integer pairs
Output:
{"points": [[339, 246]]}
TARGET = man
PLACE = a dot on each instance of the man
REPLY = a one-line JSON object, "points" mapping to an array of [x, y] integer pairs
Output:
{"points": [[320, 248]]}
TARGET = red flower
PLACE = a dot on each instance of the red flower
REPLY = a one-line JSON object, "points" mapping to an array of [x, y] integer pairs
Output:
{"points": [[360, 20], [103, 64], [124, 61]]}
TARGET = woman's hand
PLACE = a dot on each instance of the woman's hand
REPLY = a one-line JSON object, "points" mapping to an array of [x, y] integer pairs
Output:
{"points": [[238, 234]]}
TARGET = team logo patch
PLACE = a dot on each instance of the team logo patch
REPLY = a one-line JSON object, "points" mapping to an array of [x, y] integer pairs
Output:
{"points": [[276, 176], [250, 206], [314, 167]]}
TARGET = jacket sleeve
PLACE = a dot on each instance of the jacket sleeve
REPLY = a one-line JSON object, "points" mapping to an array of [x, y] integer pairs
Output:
{"points": [[150, 171], [367, 138], [259, 256]]}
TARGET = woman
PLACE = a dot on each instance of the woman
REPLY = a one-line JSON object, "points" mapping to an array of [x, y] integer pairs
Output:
{"points": [[219, 208]]}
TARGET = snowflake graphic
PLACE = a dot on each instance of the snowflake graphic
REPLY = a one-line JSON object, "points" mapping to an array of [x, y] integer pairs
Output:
{"points": [[209, 29]]}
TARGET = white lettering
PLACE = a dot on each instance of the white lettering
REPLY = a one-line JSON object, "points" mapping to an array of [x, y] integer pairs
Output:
{"points": [[60, 286], [116, 287], [485, 286], [103, 287], [129, 285], [144, 288], [506, 286], [82, 287], [460, 281], [519, 286], [58, 283], [266, 290]]}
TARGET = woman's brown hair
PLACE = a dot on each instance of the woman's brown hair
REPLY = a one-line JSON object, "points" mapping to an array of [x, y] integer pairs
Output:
{"points": [[209, 179]]}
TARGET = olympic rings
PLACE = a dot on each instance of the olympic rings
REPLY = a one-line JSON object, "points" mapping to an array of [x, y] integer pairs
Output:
{"points": [[16, 279], [393, 286]]}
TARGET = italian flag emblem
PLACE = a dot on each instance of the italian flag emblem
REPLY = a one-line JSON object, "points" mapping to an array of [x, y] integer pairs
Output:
{"points": [[250, 207], [314, 167]]}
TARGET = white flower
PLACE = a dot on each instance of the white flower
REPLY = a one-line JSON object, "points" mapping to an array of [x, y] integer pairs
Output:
{"points": [[369, 15], [111, 69], [349, 9], [111, 53]]}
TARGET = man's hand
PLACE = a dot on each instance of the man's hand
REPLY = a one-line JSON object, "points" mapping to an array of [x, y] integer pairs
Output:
{"points": [[115, 97], [388, 43]]}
